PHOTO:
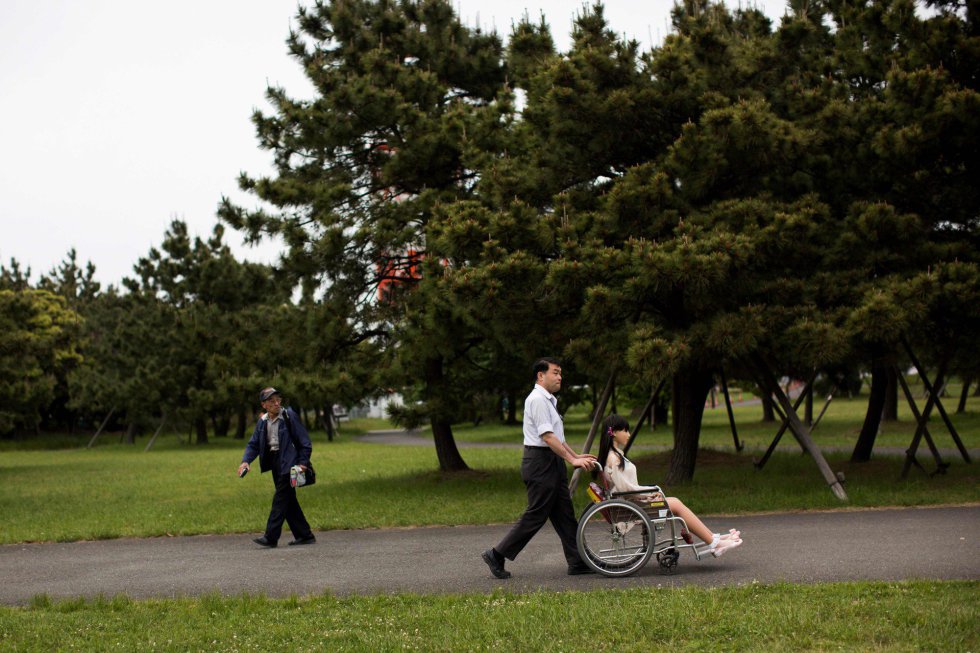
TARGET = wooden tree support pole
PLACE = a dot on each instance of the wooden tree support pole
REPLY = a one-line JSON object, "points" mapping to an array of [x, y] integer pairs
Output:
{"points": [[797, 428], [647, 412], [600, 410], [920, 431], [934, 391], [759, 464], [728, 405], [940, 465], [826, 405], [964, 394], [156, 433], [102, 426]]}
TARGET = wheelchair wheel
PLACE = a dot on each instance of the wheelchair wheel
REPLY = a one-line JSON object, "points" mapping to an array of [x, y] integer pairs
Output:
{"points": [[668, 560], [615, 538]]}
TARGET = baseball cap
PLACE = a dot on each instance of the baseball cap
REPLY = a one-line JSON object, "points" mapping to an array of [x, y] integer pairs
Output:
{"points": [[268, 392]]}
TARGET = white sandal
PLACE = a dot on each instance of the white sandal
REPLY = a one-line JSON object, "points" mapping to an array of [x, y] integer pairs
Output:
{"points": [[732, 534], [721, 546]]}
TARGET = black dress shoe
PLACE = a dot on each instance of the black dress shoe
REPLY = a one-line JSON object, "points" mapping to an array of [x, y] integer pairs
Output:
{"points": [[303, 540], [496, 568], [266, 542], [579, 571]]}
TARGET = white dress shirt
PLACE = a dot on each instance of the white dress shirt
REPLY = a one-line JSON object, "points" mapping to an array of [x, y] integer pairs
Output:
{"points": [[540, 417]]}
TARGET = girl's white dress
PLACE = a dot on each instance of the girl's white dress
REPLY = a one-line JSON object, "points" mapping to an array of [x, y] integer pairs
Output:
{"points": [[624, 480]]}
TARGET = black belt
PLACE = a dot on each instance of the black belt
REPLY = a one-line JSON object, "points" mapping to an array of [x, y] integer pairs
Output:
{"points": [[538, 451]]}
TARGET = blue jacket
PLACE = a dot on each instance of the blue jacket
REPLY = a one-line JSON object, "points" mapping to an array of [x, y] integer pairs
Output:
{"points": [[295, 447]]}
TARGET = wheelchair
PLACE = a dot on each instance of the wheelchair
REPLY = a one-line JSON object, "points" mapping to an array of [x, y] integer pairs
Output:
{"points": [[620, 531]]}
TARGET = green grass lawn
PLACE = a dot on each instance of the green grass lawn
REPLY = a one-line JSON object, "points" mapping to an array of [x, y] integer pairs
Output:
{"points": [[838, 428], [57, 494], [908, 616], [180, 489]]}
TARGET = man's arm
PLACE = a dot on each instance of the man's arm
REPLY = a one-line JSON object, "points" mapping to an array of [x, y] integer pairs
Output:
{"points": [[251, 449], [563, 451]]}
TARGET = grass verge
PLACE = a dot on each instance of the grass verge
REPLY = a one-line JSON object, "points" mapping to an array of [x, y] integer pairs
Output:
{"points": [[867, 616]]}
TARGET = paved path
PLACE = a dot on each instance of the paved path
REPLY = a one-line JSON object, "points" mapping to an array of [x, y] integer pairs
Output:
{"points": [[893, 544]]}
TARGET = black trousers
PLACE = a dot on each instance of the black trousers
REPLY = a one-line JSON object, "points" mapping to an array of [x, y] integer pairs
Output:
{"points": [[285, 507], [548, 498]]}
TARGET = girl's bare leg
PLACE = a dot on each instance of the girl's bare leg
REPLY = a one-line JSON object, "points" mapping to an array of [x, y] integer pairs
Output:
{"points": [[695, 525]]}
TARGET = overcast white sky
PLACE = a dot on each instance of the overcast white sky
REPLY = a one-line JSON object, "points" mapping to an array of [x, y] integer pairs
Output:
{"points": [[117, 116]]}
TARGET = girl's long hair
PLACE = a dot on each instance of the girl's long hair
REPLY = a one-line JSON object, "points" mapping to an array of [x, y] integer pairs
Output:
{"points": [[610, 425]]}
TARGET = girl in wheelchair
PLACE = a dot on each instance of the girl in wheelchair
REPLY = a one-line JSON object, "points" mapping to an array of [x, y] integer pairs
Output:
{"points": [[622, 473]]}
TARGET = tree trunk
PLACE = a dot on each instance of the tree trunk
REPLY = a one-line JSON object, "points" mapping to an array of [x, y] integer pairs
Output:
{"points": [[872, 418], [130, 436], [242, 423], [328, 421], [768, 414], [808, 409], [442, 430], [446, 450], [690, 390], [511, 407], [222, 423], [889, 411], [201, 427], [661, 412], [961, 407]]}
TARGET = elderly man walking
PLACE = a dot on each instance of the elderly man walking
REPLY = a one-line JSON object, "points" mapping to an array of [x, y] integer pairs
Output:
{"points": [[544, 475], [280, 441]]}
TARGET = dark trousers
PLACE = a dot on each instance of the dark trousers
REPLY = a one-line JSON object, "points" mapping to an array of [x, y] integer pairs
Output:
{"points": [[548, 498], [285, 507]]}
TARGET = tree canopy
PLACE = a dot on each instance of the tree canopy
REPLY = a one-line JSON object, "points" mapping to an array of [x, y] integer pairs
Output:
{"points": [[755, 198]]}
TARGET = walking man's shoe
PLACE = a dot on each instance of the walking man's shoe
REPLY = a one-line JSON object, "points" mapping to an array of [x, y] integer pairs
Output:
{"points": [[303, 540], [579, 570], [266, 542], [496, 565]]}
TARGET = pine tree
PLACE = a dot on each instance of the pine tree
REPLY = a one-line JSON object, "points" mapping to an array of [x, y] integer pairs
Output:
{"points": [[402, 88], [901, 132], [659, 211], [38, 346], [202, 361]]}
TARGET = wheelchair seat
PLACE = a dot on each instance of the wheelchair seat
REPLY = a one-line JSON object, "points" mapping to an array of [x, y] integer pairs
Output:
{"points": [[656, 509]]}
